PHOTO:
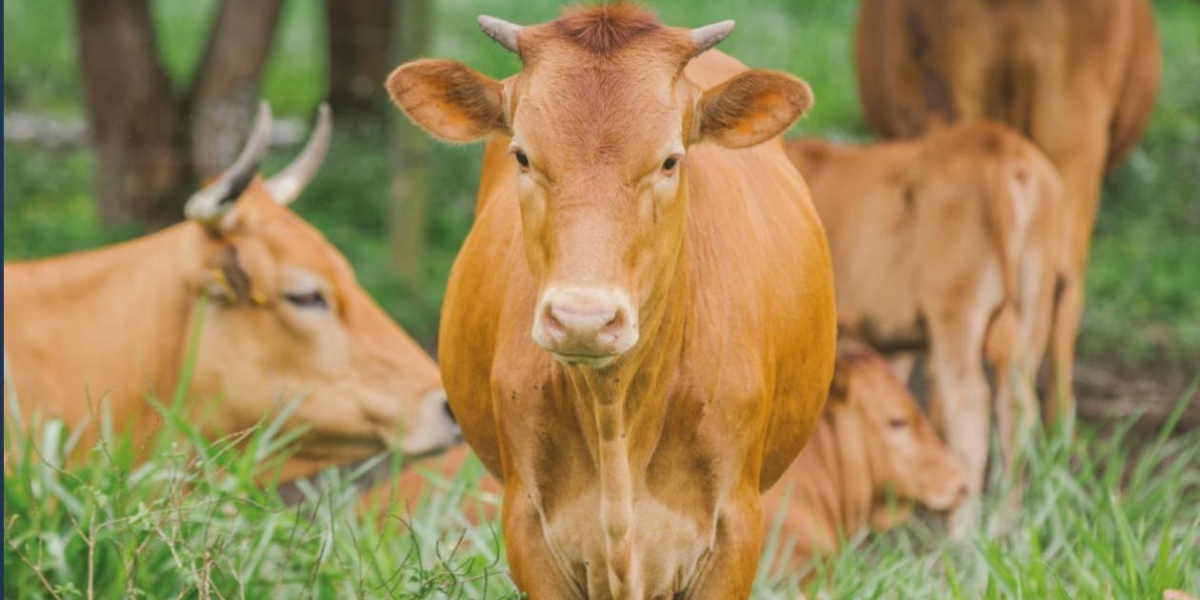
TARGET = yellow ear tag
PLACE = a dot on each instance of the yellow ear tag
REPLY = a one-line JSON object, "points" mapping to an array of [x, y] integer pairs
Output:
{"points": [[223, 283], [258, 298]]}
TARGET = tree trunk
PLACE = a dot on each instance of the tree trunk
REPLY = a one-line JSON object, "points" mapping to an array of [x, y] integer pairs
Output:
{"points": [[134, 116], [225, 93], [148, 154], [408, 215], [360, 53]]}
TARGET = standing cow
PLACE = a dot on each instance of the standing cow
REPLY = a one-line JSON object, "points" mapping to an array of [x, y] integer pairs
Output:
{"points": [[90, 334], [1077, 77], [638, 334]]}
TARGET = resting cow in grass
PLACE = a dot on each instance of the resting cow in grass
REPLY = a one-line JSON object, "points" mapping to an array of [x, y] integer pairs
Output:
{"points": [[638, 334], [89, 336], [949, 245], [1077, 77], [872, 458]]}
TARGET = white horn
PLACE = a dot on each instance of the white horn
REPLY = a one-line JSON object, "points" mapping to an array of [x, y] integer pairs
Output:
{"points": [[502, 31], [286, 185], [212, 201], [710, 35]]}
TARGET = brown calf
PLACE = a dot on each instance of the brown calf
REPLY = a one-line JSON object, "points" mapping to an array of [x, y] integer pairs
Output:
{"points": [[949, 245], [1078, 78]]}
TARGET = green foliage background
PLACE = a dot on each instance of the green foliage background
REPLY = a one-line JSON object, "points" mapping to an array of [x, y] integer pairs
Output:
{"points": [[1143, 305]]}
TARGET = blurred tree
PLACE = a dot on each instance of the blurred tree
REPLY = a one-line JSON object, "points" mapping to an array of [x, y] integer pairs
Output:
{"points": [[153, 142], [408, 215], [360, 44]]}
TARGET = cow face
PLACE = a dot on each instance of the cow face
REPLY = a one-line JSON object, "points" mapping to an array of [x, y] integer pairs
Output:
{"points": [[907, 460], [287, 320], [601, 121]]}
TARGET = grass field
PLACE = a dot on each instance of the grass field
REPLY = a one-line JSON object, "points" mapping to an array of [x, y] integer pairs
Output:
{"points": [[1110, 514], [1107, 516]]}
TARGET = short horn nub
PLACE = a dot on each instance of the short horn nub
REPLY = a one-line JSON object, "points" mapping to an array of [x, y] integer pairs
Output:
{"points": [[710, 35], [502, 31]]}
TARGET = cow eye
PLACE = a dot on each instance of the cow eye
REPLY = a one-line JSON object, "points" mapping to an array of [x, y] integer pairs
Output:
{"points": [[669, 165], [311, 300], [897, 423], [522, 159]]}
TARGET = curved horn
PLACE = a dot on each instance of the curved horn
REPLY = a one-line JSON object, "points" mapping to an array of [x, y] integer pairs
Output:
{"points": [[286, 185], [212, 201], [502, 31], [710, 35]]}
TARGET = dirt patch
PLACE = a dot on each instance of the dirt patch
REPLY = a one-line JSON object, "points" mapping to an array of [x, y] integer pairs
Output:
{"points": [[1110, 390]]}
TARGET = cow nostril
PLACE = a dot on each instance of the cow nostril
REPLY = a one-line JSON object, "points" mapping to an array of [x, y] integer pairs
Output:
{"points": [[449, 411], [964, 491]]}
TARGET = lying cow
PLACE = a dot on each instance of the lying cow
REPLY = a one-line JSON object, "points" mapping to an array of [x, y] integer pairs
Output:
{"points": [[947, 244], [638, 334], [1078, 78], [95, 332], [872, 457]]}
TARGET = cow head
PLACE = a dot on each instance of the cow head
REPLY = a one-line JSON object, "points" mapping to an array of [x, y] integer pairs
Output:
{"points": [[601, 121], [881, 423], [286, 319]]}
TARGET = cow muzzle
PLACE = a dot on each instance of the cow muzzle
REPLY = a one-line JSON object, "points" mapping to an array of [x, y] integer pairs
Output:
{"points": [[433, 427], [590, 327]]}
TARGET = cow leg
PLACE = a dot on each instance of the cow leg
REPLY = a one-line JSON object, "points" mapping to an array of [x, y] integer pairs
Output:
{"points": [[533, 568], [1077, 143], [732, 564], [959, 400], [1068, 312], [1013, 398]]}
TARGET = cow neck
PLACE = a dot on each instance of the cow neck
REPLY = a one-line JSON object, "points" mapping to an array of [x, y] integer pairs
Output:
{"points": [[132, 295], [853, 473], [626, 404]]}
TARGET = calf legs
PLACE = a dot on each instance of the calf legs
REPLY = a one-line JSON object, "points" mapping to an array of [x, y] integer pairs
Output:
{"points": [[959, 400]]}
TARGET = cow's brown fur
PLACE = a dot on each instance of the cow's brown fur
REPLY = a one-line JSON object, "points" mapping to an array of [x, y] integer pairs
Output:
{"points": [[872, 457], [1078, 78], [635, 470], [90, 335], [947, 244]]}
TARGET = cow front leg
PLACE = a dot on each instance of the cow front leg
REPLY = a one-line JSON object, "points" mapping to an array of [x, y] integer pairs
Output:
{"points": [[533, 568], [732, 564]]}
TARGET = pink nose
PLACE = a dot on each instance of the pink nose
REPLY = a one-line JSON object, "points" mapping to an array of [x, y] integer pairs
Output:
{"points": [[576, 325]]}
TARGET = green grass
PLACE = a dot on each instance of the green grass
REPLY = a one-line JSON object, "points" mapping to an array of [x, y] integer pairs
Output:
{"points": [[1105, 516], [1142, 306]]}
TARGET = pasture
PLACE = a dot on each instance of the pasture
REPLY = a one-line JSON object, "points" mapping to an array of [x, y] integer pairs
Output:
{"points": [[1112, 509]]}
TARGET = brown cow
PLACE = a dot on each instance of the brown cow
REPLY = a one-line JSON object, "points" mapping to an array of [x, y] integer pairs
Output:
{"points": [[95, 332], [947, 244], [1078, 78], [872, 457], [638, 334]]}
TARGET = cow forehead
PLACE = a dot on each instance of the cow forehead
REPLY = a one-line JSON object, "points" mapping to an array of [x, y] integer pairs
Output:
{"points": [[598, 114], [290, 240]]}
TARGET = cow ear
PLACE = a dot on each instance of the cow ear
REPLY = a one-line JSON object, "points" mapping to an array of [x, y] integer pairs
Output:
{"points": [[449, 99], [752, 108]]}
